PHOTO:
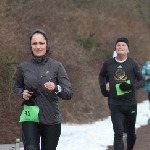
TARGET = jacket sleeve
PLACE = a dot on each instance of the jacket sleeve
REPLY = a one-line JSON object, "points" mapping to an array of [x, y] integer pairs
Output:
{"points": [[103, 79], [63, 80], [19, 83], [139, 77], [103, 75], [144, 70]]}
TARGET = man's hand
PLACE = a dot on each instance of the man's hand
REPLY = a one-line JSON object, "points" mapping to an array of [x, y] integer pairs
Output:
{"points": [[107, 86], [125, 86], [104, 91]]}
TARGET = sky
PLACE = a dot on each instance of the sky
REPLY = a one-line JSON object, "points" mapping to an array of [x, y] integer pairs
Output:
{"points": [[97, 135]]}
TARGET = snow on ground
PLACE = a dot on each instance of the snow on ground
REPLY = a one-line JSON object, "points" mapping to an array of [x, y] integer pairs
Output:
{"points": [[97, 135]]}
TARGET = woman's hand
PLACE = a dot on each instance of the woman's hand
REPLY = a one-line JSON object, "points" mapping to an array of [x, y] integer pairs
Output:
{"points": [[146, 77], [49, 85], [27, 94]]}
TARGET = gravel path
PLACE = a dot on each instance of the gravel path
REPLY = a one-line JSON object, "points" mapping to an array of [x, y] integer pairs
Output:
{"points": [[143, 139]]}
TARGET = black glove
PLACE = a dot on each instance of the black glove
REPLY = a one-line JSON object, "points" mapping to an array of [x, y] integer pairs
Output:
{"points": [[33, 89], [125, 86], [104, 91]]}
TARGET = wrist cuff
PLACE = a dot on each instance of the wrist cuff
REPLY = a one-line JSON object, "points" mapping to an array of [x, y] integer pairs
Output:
{"points": [[57, 89]]}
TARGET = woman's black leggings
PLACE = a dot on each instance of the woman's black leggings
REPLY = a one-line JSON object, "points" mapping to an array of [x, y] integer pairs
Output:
{"points": [[31, 133], [119, 113]]}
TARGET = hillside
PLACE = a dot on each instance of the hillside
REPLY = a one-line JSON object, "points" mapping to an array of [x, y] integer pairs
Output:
{"points": [[82, 35]]}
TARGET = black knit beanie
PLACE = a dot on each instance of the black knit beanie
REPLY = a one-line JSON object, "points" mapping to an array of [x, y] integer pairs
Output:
{"points": [[123, 39]]}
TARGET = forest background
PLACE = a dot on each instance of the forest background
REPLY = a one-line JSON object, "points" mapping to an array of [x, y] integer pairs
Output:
{"points": [[82, 35]]}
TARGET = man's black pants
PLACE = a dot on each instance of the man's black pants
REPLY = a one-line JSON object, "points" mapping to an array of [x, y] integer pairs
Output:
{"points": [[118, 114]]}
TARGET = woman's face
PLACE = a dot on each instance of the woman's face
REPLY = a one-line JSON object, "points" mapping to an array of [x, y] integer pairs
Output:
{"points": [[38, 44]]}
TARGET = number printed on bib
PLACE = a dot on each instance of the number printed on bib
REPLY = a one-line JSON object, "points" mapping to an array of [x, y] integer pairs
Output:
{"points": [[30, 113]]}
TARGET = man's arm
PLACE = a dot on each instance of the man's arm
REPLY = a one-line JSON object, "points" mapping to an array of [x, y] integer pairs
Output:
{"points": [[140, 80], [102, 80]]}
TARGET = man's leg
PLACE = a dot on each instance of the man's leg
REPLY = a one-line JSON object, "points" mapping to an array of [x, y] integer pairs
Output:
{"points": [[149, 98], [130, 126], [117, 118], [125, 132]]}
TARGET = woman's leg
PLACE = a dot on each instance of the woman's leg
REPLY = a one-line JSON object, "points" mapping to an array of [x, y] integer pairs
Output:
{"points": [[31, 135], [50, 136]]}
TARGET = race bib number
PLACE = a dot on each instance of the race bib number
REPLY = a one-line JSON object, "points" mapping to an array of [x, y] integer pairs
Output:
{"points": [[119, 91], [30, 113]]}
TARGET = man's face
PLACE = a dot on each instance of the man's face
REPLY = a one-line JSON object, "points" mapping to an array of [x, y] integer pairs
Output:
{"points": [[38, 44], [122, 49]]}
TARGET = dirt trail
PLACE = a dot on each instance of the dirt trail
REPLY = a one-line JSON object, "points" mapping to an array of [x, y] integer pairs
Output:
{"points": [[143, 139]]}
